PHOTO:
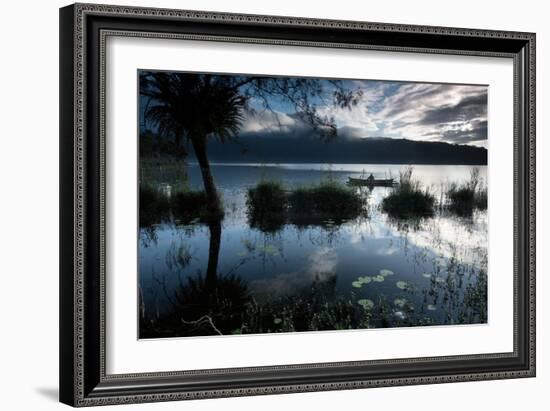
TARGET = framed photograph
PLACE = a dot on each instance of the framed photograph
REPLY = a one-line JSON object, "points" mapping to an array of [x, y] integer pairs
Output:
{"points": [[261, 204]]}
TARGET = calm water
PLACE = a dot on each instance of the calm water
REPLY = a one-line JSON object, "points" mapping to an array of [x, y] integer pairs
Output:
{"points": [[435, 263]]}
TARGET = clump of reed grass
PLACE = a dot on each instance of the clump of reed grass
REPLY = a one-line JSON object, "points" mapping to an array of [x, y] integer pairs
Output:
{"points": [[409, 199], [266, 198], [190, 204], [156, 207], [328, 199], [267, 204], [462, 199], [270, 205]]}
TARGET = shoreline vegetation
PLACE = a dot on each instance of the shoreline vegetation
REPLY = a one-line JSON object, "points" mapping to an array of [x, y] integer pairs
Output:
{"points": [[464, 198], [227, 307], [409, 199], [160, 205], [270, 204]]}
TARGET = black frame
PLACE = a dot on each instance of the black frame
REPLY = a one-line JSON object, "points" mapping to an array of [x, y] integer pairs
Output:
{"points": [[83, 30]]}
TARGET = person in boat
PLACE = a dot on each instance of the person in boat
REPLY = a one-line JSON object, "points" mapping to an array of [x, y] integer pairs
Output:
{"points": [[370, 179]]}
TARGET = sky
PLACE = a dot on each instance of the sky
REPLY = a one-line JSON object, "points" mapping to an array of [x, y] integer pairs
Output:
{"points": [[450, 113]]}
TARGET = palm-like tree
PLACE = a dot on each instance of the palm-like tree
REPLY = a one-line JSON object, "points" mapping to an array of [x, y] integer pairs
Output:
{"points": [[195, 107]]}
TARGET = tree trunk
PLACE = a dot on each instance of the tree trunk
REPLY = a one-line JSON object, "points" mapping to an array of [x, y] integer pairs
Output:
{"points": [[214, 205], [213, 254]]}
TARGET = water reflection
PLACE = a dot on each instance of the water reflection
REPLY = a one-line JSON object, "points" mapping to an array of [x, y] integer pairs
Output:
{"points": [[234, 276]]}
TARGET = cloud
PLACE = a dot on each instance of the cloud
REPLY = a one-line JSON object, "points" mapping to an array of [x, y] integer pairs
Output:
{"points": [[268, 121], [438, 112], [358, 119], [474, 132], [417, 111], [470, 107]]}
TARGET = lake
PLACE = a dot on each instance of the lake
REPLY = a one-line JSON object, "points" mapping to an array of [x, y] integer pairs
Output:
{"points": [[427, 271]]}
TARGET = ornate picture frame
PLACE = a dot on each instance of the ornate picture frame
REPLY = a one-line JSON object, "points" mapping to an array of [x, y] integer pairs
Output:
{"points": [[84, 30]]}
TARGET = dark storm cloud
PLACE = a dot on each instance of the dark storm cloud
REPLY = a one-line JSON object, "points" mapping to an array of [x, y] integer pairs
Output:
{"points": [[408, 94], [478, 133], [467, 109]]}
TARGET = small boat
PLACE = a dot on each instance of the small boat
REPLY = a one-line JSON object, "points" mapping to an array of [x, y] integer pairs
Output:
{"points": [[371, 182]]}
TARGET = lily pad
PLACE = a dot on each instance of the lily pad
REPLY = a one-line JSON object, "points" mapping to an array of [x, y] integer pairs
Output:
{"points": [[277, 321], [400, 302], [439, 280], [403, 285], [385, 272], [378, 278], [361, 281], [427, 275], [366, 303], [357, 284], [431, 307]]}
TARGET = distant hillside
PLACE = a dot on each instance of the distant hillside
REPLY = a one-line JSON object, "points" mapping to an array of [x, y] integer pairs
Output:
{"points": [[377, 150]]}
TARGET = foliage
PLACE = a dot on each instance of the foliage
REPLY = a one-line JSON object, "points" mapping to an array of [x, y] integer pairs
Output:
{"points": [[156, 207], [228, 309], [153, 206], [408, 199], [270, 205], [267, 203], [472, 194], [199, 308], [328, 199]]}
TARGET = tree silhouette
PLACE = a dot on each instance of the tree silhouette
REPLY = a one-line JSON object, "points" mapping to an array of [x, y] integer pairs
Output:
{"points": [[195, 107]]}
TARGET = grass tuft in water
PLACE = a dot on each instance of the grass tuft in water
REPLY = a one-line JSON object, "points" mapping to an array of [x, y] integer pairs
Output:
{"points": [[408, 199], [326, 200], [462, 199], [267, 203], [156, 206], [270, 205]]}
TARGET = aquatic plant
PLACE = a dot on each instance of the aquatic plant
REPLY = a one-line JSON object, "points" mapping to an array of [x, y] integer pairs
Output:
{"points": [[408, 199], [267, 197], [270, 205], [463, 198], [267, 204], [386, 273], [405, 286], [201, 308], [366, 303], [361, 281], [156, 206], [187, 205], [328, 199]]}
